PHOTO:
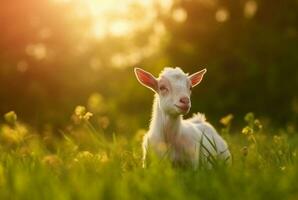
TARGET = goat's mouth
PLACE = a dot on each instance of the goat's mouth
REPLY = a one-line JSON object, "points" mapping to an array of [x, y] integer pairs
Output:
{"points": [[183, 108]]}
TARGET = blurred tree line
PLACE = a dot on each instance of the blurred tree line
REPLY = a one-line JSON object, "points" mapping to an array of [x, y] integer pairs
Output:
{"points": [[49, 63]]}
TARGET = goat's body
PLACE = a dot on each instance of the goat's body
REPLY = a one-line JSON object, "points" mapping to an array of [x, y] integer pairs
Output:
{"points": [[192, 140], [183, 141]]}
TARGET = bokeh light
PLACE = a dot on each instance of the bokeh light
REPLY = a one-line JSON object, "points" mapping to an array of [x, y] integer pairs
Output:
{"points": [[222, 15], [250, 8]]}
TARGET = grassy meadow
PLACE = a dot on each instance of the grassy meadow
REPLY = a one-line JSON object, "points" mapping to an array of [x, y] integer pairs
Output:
{"points": [[85, 164], [72, 113]]}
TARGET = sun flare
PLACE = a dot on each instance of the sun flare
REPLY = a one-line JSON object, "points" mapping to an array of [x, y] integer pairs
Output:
{"points": [[124, 20]]}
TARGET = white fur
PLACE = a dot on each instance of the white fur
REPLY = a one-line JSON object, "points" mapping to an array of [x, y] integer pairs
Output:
{"points": [[170, 135]]}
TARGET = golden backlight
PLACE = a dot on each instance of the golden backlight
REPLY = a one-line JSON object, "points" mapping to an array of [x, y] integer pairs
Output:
{"points": [[123, 21]]}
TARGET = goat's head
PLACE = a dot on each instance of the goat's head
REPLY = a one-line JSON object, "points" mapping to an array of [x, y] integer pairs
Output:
{"points": [[173, 87]]}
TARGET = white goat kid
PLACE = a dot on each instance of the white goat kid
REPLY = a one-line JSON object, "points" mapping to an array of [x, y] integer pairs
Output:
{"points": [[193, 140]]}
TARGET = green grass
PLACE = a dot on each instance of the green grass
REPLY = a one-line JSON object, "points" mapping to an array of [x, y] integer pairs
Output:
{"points": [[83, 164]]}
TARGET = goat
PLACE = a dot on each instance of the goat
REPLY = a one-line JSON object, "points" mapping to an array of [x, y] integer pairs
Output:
{"points": [[193, 140]]}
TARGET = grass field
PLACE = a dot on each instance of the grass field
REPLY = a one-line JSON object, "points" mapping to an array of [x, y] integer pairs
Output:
{"points": [[58, 54], [84, 164]]}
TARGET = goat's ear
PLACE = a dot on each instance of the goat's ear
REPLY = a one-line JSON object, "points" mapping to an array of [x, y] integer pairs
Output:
{"points": [[146, 79], [197, 77]]}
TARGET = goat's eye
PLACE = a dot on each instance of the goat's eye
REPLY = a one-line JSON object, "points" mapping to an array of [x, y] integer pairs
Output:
{"points": [[190, 88], [163, 88]]}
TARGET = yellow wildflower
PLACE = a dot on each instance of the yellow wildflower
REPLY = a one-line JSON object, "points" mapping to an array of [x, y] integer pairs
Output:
{"points": [[226, 120], [11, 117], [52, 161]]}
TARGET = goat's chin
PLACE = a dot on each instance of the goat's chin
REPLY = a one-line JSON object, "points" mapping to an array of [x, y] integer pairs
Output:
{"points": [[184, 112], [176, 111], [173, 112]]}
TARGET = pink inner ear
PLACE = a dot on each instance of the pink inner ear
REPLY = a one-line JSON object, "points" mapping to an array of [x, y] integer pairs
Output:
{"points": [[146, 79], [197, 77], [196, 80]]}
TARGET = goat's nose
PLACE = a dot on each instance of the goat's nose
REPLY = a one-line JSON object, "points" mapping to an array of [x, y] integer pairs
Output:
{"points": [[184, 100]]}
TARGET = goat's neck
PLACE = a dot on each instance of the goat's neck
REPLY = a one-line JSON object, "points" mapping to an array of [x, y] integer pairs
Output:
{"points": [[164, 124]]}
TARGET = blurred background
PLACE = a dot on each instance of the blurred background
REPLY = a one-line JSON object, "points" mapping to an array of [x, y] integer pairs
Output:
{"points": [[57, 54]]}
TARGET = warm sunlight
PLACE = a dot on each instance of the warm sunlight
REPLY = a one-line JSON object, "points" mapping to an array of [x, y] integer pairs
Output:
{"points": [[124, 20], [148, 99]]}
